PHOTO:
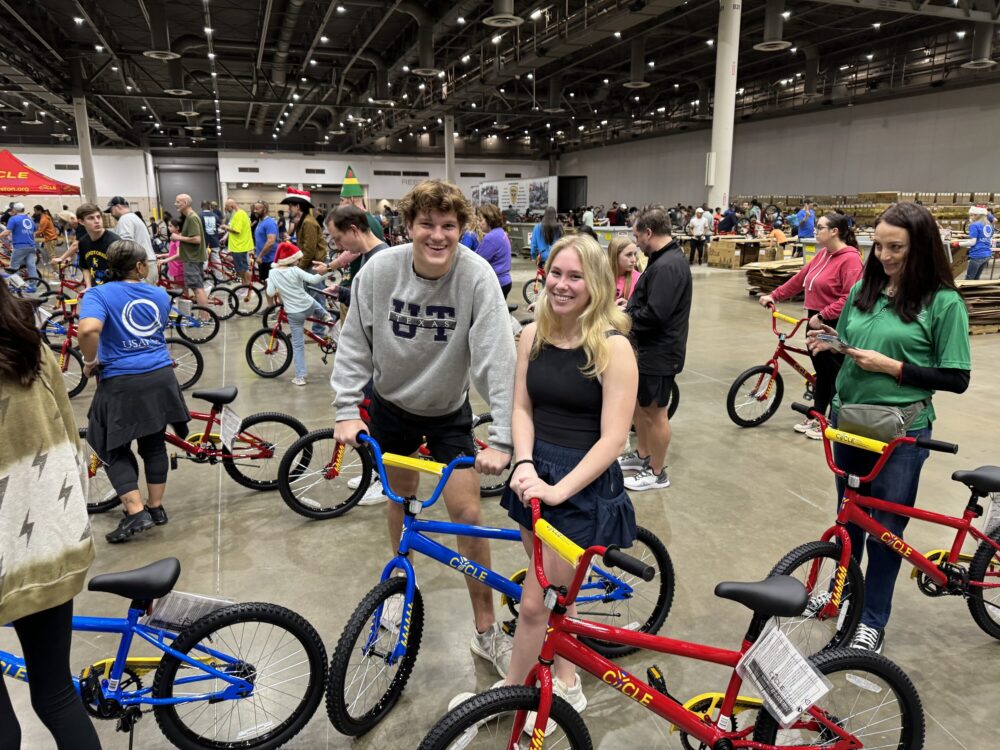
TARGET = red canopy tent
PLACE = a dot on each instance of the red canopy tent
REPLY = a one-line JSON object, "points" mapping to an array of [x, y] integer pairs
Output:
{"points": [[17, 178]]}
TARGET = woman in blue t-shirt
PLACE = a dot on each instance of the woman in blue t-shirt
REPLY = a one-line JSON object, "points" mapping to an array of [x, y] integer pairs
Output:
{"points": [[121, 339]]}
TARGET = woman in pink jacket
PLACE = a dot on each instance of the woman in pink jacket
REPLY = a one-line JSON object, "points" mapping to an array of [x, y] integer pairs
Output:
{"points": [[826, 281]]}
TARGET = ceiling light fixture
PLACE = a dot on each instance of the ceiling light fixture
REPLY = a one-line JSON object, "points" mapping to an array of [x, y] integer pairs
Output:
{"points": [[877, 25], [312, 62], [341, 9], [208, 30], [496, 38], [531, 77], [786, 14], [960, 34], [324, 39], [77, 20], [465, 58], [870, 56], [460, 19], [98, 48], [710, 42], [793, 50], [211, 55], [406, 68], [114, 68]]}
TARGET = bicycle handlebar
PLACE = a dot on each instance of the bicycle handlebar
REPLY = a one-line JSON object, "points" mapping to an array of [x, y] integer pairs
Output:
{"points": [[413, 464], [614, 557], [937, 445]]}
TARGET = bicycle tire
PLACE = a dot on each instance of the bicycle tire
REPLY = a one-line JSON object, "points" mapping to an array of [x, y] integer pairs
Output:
{"points": [[248, 299], [356, 632], [71, 364], [532, 288], [984, 558], [674, 400], [855, 674], [303, 480], [277, 444], [223, 301], [101, 496], [470, 717], [211, 627], [195, 329], [188, 362], [489, 486], [269, 352], [775, 381], [269, 317], [799, 629]]}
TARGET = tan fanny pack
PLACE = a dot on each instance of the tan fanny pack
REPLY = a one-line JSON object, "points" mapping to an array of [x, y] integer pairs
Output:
{"points": [[877, 422]]}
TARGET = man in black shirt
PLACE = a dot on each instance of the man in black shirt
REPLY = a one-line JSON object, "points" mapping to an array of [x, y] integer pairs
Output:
{"points": [[93, 248], [659, 308]]}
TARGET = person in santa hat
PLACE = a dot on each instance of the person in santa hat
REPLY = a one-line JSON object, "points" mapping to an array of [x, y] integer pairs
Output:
{"points": [[289, 282]]}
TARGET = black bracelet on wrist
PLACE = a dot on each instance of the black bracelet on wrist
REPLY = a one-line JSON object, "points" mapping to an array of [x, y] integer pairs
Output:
{"points": [[522, 461]]}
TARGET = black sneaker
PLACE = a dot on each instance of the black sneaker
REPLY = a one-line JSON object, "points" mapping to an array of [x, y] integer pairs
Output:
{"points": [[158, 514], [130, 525]]}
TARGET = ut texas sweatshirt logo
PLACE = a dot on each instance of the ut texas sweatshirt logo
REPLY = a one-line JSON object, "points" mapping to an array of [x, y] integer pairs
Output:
{"points": [[405, 324]]}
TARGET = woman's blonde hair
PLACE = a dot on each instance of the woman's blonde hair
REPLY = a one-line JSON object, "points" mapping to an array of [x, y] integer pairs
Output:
{"points": [[599, 316]]}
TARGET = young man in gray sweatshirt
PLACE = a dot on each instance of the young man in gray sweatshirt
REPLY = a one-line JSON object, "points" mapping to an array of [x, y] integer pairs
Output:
{"points": [[424, 318]]}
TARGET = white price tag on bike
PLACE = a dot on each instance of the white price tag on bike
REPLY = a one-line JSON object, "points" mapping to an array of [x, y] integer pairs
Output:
{"points": [[788, 683], [993, 515], [229, 426]]}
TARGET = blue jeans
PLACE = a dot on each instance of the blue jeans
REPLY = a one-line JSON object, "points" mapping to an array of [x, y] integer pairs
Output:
{"points": [[976, 266], [897, 483], [318, 311], [24, 256], [297, 321]]}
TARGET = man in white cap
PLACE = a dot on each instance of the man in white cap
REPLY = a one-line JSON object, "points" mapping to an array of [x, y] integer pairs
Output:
{"points": [[131, 227], [980, 242], [698, 228], [21, 229]]}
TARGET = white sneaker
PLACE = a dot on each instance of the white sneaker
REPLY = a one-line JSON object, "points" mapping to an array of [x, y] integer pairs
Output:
{"points": [[574, 696], [647, 480], [298, 381], [353, 482], [805, 425], [814, 433], [466, 738], [632, 461], [392, 612], [373, 495], [495, 646]]}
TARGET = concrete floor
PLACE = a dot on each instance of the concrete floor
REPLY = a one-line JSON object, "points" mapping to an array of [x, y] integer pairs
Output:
{"points": [[739, 500]]}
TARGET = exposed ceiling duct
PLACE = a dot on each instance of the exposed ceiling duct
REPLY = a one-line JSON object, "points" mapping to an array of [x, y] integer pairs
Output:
{"points": [[637, 73], [425, 51], [811, 78], [187, 108], [503, 16], [177, 86], [379, 93], [982, 48], [279, 71], [160, 32], [702, 111], [554, 105], [773, 26]]}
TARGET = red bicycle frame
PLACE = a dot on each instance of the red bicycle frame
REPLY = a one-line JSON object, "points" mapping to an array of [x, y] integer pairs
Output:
{"points": [[559, 641], [781, 352], [256, 447], [852, 507]]}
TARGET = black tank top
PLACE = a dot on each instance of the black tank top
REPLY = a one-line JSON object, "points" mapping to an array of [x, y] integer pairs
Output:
{"points": [[566, 403]]}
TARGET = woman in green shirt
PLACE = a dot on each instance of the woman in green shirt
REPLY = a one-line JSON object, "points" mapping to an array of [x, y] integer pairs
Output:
{"points": [[907, 332]]}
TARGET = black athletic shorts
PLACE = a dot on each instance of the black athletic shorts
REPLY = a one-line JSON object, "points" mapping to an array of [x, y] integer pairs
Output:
{"points": [[263, 270], [655, 389], [398, 431]]}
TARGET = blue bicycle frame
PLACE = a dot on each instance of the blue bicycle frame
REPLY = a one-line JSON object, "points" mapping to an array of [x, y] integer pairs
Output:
{"points": [[413, 539], [236, 687]]}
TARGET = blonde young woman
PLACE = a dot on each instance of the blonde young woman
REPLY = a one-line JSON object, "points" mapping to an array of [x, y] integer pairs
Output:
{"points": [[623, 256], [574, 392]]}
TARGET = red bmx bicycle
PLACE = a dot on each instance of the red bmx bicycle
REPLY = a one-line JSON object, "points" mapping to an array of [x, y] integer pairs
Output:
{"points": [[756, 393], [834, 579]]}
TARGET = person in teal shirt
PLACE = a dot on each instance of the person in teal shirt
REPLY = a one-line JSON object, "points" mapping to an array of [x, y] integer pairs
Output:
{"points": [[907, 332]]}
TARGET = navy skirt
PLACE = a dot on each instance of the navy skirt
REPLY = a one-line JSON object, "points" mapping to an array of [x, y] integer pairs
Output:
{"points": [[601, 513]]}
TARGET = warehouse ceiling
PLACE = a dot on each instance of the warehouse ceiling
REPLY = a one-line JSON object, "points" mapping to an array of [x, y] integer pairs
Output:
{"points": [[519, 78]]}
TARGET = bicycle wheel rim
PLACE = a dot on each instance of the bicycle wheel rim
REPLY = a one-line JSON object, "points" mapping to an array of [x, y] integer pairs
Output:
{"points": [[317, 484], [277, 662], [257, 450], [270, 355]]}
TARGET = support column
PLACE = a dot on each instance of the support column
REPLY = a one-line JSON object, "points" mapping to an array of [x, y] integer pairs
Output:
{"points": [[719, 161], [449, 148], [88, 182]]}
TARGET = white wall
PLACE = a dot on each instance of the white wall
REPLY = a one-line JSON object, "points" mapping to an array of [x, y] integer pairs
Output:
{"points": [[922, 143], [290, 169]]}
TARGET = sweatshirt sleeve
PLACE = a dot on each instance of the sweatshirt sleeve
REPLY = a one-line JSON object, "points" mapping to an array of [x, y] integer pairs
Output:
{"points": [[354, 365], [493, 357], [534, 242], [848, 273], [793, 286]]}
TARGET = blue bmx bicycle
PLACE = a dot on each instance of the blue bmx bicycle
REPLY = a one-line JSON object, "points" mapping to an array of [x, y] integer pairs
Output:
{"points": [[240, 675], [378, 648]]}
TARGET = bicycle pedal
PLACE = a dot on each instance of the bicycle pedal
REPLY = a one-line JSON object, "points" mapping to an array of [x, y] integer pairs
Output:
{"points": [[655, 679], [173, 462], [509, 627]]}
